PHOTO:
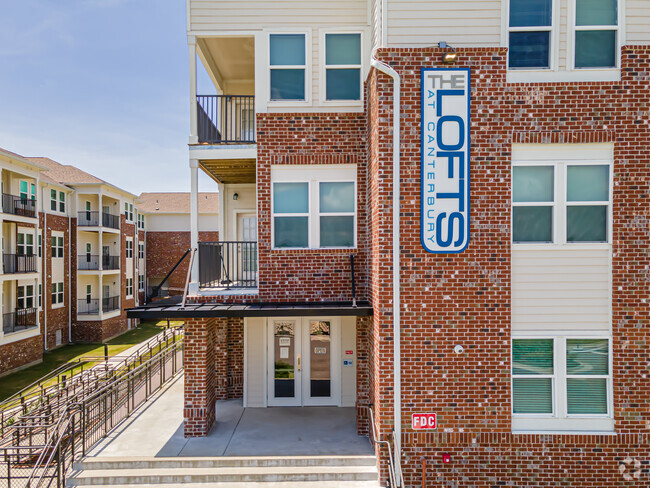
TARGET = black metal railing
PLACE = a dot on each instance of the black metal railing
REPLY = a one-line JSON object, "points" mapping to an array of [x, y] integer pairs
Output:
{"points": [[88, 261], [110, 262], [110, 220], [92, 218], [228, 264], [110, 303], [25, 207], [19, 319], [226, 119], [18, 263], [88, 306], [43, 447]]}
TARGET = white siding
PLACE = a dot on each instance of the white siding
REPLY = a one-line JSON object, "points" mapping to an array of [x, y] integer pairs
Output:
{"points": [[561, 289], [180, 222], [348, 373], [638, 22], [255, 380], [563, 32], [211, 15], [460, 22]]}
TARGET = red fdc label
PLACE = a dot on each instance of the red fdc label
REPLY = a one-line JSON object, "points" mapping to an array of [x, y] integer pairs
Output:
{"points": [[423, 421]]}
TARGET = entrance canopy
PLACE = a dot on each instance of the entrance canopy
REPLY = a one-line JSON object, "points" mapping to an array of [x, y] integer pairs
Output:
{"points": [[206, 310]]}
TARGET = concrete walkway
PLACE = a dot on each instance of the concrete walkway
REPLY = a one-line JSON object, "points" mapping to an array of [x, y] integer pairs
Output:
{"points": [[156, 430]]}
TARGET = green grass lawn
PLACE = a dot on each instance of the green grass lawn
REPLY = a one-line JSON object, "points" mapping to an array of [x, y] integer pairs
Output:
{"points": [[14, 382]]}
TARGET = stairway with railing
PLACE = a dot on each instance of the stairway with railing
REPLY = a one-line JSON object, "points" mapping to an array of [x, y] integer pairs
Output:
{"points": [[48, 425]]}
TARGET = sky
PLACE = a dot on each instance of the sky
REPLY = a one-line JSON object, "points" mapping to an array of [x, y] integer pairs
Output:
{"points": [[102, 85]]}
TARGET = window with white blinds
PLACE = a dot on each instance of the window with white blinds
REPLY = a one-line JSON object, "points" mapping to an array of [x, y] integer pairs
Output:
{"points": [[561, 378]]}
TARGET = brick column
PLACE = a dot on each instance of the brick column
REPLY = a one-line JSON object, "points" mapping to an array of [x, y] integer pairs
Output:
{"points": [[221, 359], [199, 361]]}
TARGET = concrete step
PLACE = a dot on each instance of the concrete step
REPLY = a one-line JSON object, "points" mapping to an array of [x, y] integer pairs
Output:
{"points": [[109, 463], [238, 474], [285, 484]]}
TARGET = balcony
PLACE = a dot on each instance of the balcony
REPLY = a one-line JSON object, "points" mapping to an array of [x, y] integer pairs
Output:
{"points": [[110, 262], [18, 263], [226, 119], [228, 265], [91, 262], [110, 304], [19, 320], [90, 218], [88, 306], [23, 207]]}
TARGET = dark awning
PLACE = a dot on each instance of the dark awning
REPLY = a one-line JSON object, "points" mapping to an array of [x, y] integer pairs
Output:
{"points": [[173, 311]]}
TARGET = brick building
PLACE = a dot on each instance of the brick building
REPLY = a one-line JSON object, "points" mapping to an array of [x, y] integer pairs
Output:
{"points": [[168, 235], [72, 260], [343, 136]]}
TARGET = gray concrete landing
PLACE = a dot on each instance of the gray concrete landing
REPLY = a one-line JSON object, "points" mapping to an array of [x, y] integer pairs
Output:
{"points": [[156, 430]]}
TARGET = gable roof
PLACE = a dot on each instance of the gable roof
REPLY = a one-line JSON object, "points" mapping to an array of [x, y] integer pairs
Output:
{"points": [[177, 202], [65, 173]]}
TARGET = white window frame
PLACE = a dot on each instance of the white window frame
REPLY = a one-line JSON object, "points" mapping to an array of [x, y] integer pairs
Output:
{"points": [[141, 282], [26, 296], [322, 72], [554, 44], [62, 202], [140, 250], [128, 248], [307, 67], [58, 294], [53, 200], [561, 421], [552, 154], [58, 246], [313, 175], [572, 28], [26, 247], [129, 288]]}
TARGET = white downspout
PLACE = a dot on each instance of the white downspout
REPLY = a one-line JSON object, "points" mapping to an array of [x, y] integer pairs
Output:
{"points": [[397, 368], [70, 251]]}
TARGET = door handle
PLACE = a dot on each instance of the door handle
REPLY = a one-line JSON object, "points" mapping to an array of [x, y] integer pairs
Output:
{"points": [[299, 362]]}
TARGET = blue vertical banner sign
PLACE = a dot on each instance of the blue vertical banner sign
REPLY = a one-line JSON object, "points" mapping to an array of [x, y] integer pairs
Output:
{"points": [[444, 191]]}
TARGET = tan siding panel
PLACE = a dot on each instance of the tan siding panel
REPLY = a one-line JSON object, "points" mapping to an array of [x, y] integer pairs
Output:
{"points": [[561, 289], [638, 21], [234, 15], [460, 23], [348, 374], [563, 32]]}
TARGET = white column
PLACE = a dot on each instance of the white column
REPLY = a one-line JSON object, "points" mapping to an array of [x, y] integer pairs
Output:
{"points": [[221, 216], [194, 133], [100, 279], [194, 225]]}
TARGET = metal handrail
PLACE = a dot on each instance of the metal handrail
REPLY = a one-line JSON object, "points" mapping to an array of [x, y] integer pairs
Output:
{"points": [[98, 412], [394, 469]]}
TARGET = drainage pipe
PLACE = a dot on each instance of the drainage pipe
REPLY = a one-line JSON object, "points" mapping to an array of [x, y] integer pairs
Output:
{"points": [[397, 370]]}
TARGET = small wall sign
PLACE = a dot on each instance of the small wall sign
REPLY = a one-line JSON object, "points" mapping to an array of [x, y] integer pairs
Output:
{"points": [[423, 421]]}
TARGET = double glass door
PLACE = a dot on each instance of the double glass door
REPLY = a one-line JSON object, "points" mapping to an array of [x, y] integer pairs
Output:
{"points": [[303, 364]]}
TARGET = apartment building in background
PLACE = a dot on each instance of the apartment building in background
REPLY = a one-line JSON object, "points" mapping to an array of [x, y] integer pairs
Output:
{"points": [[356, 265], [73, 258], [168, 236]]}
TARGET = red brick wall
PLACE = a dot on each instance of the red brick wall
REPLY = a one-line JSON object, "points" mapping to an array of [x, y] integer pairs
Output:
{"points": [[58, 318], [99, 330], [465, 298], [235, 372], [164, 249], [20, 353], [309, 275], [200, 364]]}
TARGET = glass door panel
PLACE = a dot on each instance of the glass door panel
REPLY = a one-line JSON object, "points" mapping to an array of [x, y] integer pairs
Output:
{"points": [[320, 359], [284, 367]]}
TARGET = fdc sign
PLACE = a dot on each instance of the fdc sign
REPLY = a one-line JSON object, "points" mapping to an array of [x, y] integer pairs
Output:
{"points": [[445, 109]]}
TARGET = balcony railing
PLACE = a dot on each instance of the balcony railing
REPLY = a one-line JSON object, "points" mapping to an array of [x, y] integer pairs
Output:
{"points": [[228, 264], [110, 262], [91, 262], [88, 306], [110, 220], [110, 303], [91, 218], [226, 119], [88, 261], [24, 207], [20, 319], [18, 263]]}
